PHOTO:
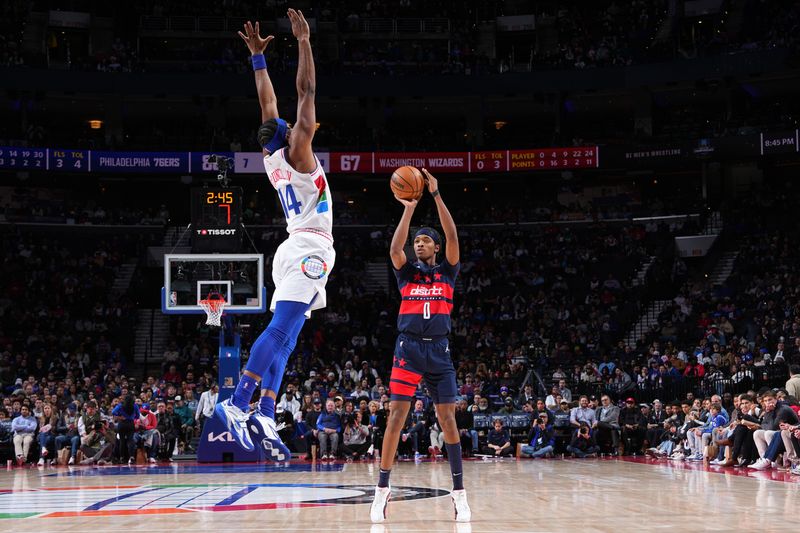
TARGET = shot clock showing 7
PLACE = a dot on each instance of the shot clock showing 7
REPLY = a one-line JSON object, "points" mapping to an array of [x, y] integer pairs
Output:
{"points": [[223, 199], [216, 219]]}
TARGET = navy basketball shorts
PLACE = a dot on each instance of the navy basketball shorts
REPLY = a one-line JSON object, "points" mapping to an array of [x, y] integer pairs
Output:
{"points": [[415, 359]]}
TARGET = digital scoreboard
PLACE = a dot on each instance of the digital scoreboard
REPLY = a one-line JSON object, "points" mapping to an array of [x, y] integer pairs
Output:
{"points": [[216, 219]]}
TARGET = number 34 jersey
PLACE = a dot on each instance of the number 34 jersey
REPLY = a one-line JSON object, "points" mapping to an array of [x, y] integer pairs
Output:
{"points": [[427, 298], [305, 198]]}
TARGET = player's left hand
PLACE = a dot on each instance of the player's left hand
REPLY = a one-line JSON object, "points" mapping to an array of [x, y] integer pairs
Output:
{"points": [[433, 183], [411, 204], [299, 24]]}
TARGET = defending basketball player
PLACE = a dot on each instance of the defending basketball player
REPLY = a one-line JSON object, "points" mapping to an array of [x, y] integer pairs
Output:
{"points": [[303, 262], [422, 350]]}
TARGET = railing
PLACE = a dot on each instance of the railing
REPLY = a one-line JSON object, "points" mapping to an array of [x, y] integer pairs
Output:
{"points": [[381, 26], [643, 326], [191, 24], [404, 26]]}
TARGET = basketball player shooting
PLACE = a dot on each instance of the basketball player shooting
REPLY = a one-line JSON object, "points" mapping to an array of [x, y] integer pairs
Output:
{"points": [[303, 262], [422, 350]]}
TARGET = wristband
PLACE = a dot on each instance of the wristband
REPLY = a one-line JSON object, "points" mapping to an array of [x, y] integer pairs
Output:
{"points": [[435, 193], [259, 62]]}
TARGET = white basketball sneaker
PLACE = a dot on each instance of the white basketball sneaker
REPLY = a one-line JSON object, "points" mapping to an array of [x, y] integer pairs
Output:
{"points": [[378, 510], [264, 429], [463, 512], [235, 421]]}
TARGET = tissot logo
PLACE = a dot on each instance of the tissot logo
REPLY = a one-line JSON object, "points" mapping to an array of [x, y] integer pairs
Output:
{"points": [[216, 232], [424, 291]]}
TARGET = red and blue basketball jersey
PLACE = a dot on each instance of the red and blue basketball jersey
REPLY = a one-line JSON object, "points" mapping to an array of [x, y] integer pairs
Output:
{"points": [[427, 298]]}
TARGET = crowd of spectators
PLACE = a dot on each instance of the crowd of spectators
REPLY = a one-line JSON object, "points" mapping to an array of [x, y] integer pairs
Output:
{"points": [[552, 299], [607, 33], [64, 333], [29, 205]]}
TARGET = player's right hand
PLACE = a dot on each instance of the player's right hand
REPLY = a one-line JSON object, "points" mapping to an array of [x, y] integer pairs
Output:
{"points": [[412, 204], [253, 40]]}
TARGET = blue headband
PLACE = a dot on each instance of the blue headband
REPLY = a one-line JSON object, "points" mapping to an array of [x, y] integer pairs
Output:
{"points": [[430, 232], [278, 140]]}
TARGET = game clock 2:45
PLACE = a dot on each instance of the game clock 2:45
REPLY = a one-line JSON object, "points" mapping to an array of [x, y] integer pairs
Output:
{"points": [[216, 219]]}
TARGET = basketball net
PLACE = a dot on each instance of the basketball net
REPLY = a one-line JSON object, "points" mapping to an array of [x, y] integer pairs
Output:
{"points": [[214, 305]]}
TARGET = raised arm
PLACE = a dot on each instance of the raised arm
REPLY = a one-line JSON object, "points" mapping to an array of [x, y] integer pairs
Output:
{"points": [[266, 93], [451, 249], [397, 248], [300, 151]]}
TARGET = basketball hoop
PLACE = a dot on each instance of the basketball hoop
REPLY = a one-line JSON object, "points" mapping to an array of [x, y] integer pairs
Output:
{"points": [[213, 305]]}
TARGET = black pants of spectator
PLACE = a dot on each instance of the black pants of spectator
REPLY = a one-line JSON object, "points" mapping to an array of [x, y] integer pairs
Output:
{"points": [[127, 446], [653, 436], [311, 440], [507, 451], [579, 453], [187, 433], [105, 451], [632, 439], [168, 441], [377, 440], [743, 444], [606, 431], [286, 435], [351, 450], [416, 435]]}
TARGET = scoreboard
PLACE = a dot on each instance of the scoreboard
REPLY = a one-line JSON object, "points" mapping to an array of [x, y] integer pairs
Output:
{"points": [[216, 219], [67, 160], [466, 162], [541, 159]]}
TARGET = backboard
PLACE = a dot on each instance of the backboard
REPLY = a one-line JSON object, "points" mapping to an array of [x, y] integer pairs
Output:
{"points": [[189, 278]]}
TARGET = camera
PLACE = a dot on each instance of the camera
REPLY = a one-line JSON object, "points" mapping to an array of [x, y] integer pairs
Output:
{"points": [[224, 164]]}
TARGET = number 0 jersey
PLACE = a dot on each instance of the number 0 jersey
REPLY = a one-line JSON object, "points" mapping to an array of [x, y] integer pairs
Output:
{"points": [[305, 198], [427, 298]]}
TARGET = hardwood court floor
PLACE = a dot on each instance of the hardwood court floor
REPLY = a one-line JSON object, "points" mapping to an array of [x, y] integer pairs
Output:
{"points": [[587, 495]]}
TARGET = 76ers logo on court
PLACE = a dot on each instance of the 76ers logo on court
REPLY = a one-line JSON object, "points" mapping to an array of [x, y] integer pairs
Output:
{"points": [[314, 267]]}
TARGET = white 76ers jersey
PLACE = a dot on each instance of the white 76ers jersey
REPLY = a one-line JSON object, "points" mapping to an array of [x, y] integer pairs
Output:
{"points": [[305, 198]]}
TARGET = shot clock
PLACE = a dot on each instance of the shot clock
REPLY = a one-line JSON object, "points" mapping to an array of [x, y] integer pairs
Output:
{"points": [[216, 219]]}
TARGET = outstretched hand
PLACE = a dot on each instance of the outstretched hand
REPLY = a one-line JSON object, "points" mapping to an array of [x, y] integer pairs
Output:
{"points": [[253, 40], [408, 203], [433, 183], [299, 24]]}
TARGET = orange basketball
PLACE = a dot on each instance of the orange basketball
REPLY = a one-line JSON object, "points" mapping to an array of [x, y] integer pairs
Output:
{"points": [[407, 183]]}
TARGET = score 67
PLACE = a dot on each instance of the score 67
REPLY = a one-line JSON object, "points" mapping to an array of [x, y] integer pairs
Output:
{"points": [[349, 163]]}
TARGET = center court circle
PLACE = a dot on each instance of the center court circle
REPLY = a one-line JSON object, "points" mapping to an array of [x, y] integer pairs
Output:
{"points": [[166, 499]]}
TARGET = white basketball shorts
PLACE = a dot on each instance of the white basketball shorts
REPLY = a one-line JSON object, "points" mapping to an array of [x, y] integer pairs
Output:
{"points": [[300, 270]]}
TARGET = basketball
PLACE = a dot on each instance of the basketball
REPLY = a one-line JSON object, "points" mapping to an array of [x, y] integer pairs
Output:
{"points": [[407, 183]]}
